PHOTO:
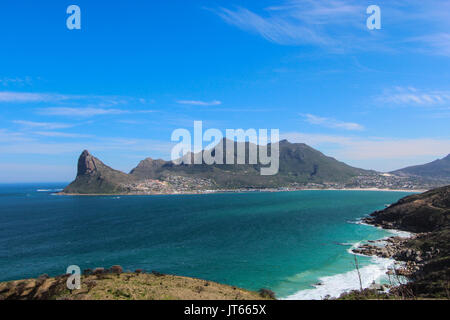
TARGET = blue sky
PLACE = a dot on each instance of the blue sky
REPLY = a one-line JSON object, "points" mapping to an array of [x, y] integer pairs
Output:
{"points": [[137, 70]]}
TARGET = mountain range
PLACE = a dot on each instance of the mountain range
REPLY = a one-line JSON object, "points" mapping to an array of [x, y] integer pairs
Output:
{"points": [[300, 166], [438, 170]]}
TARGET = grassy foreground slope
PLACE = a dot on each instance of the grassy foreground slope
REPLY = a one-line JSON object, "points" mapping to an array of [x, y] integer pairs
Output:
{"points": [[125, 286]]}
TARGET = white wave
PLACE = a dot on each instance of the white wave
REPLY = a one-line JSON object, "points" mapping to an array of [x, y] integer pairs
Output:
{"points": [[354, 246], [399, 233], [49, 190], [395, 232], [334, 286]]}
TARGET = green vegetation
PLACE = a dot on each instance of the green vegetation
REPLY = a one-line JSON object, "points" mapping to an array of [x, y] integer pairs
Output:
{"points": [[299, 165]]}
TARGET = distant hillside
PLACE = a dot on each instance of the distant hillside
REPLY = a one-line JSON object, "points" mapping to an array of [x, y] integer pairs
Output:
{"points": [[425, 212], [438, 170], [299, 165]]}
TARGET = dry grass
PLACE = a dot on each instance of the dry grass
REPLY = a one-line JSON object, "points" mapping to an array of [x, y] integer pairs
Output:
{"points": [[128, 286]]}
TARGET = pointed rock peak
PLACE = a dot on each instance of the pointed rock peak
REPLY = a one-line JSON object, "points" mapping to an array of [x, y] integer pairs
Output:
{"points": [[85, 153], [86, 164]]}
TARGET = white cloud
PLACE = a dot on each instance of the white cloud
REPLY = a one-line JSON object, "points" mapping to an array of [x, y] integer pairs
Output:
{"points": [[80, 112], [412, 96], [11, 136], [118, 145], [373, 148], [15, 81], [87, 112], [30, 172], [332, 123], [340, 25], [200, 103], [295, 22], [437, 43], [44, 125], [21, 97], [57, 134], [69, 100]]}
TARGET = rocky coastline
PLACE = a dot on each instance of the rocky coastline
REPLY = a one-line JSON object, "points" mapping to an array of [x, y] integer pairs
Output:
{"points": [[423, 257], [408, 261]]}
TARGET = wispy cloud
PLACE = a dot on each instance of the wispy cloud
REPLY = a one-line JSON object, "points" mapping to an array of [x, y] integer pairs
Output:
{"points": [[87, 112], [379, 151], [57, 134], [437, 43], [117, 145], [32, 172], [8, 136], [23, 97], [7, 82], [200, 103], [331, 123], [80, 112], [415, 97], [340, 25], [70, 100], [43, 125], [295, 22]]}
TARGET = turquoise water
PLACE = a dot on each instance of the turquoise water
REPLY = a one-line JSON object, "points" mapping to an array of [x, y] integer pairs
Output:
{"points": [[283, 241]]}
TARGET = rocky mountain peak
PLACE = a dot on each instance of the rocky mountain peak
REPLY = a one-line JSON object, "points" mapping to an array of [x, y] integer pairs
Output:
{"points": [[86, 164]]}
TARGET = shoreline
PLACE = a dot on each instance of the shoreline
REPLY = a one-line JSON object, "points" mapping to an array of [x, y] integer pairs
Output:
{"points": [[333, 286], [235, 192], [405, 261]]}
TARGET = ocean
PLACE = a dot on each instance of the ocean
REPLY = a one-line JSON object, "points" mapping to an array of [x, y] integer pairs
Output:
{"points": [[288, 242]]}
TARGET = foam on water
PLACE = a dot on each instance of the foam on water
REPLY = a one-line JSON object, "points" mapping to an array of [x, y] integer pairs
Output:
{"points": [[334, 286], [399, 233]]}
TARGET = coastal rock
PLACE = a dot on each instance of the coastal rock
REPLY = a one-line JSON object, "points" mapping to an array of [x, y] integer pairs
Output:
{"points": [[86, 164], [376, 286], [98, 271], [116, 269], [94, 177], [423, 258], [418, 213]]}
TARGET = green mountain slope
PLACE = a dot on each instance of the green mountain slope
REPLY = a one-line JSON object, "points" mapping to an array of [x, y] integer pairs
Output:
{"points": [[299, 164], [438, 169]]}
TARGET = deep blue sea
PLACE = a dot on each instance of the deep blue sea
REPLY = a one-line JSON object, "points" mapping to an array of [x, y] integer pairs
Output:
{"points": [[286, 241]]}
